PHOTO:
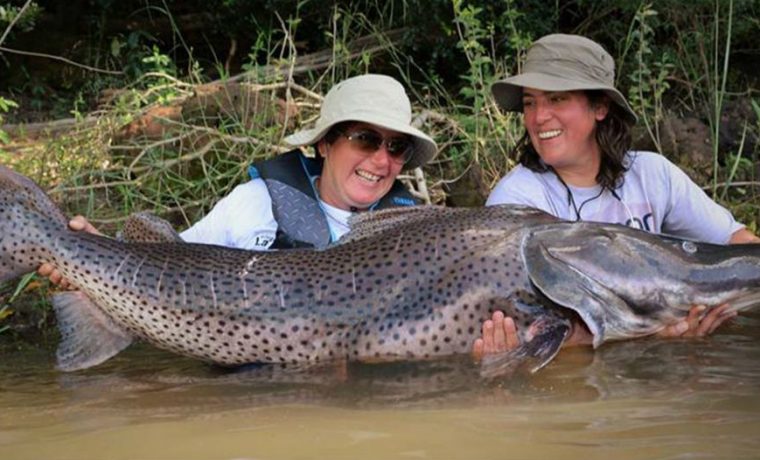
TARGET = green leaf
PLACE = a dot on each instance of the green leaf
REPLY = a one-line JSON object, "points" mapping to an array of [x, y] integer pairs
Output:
{"points": [[116, 46]]}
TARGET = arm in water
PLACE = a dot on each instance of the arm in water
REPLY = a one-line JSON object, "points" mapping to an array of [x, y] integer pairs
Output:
{"points": [[77, 224]]}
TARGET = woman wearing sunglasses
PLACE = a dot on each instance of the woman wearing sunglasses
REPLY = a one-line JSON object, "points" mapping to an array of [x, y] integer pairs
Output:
{"points": [[360, 143], [362, 140], [576, 163]]}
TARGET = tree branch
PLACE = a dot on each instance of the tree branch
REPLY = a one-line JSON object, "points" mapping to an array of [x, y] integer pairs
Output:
{"points": [[59, 58], [13, 23]]}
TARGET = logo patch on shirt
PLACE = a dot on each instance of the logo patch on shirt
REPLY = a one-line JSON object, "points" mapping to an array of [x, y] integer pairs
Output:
{"points": [[641, 223], [262, 242]]}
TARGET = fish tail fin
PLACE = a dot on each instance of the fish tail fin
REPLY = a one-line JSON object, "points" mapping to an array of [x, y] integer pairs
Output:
{"points": [[88, 336], [27, 216], [530, 355]]}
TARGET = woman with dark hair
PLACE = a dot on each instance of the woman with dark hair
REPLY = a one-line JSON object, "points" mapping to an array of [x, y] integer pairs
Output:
{"points": [[612, 135], [575, 163]]}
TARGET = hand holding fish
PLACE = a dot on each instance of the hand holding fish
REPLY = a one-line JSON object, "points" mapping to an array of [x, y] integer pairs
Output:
{"points": [[499, 334], [699, 324], [231, 307], [77, 224]]}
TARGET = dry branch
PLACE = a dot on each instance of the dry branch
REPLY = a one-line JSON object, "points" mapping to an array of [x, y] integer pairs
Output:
{"points": [[370, 44]]}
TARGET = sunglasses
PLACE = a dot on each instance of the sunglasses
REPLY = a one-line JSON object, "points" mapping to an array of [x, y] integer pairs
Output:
{"points": [[399, 148]]}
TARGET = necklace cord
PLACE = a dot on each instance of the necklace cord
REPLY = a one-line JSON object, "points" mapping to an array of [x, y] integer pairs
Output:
{"points": [[571, 198]]}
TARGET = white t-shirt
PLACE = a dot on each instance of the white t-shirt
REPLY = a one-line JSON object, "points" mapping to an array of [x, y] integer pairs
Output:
{"points": [[656, 196], [243, 219]]}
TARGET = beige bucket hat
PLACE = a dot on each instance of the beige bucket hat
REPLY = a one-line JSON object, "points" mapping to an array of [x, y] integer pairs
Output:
{"points": [[376, 99], [560, 62]]}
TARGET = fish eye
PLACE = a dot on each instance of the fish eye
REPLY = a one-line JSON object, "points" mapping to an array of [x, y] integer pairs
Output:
{"points": [[689, 247]]}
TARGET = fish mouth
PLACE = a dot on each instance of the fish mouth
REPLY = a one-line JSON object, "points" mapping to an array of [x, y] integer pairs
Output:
{"points": [[368, 176], [551, 134]]}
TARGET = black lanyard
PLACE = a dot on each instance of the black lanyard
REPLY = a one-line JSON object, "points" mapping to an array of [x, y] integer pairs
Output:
{"points": [[571, 198]]}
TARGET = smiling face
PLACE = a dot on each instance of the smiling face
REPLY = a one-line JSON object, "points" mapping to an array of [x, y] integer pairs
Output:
{"points": [[562, 129], [352, 177]]}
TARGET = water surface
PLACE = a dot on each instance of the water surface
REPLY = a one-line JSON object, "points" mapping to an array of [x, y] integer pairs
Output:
{"points": [[645, 399]]}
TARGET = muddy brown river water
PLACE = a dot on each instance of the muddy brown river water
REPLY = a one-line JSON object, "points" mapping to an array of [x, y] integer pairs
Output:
{"points": [[646, 399]]}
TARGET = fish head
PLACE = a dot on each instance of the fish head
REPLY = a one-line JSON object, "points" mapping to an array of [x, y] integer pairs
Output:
{"points": [[625, 282]]}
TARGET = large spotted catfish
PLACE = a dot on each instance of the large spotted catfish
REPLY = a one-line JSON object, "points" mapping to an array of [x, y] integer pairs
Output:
{"points": [[403, 285]]}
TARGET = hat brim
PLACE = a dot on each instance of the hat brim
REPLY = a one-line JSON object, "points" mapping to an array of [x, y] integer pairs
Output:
{"points": [[425, 148], [508, 92]]}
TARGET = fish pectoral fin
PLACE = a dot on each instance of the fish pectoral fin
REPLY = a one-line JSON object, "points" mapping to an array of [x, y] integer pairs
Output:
{"points": [[88, 336], [548, 336]]}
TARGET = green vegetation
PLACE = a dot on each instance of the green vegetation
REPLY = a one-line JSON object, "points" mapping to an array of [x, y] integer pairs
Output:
{"points": [[167, 103]]}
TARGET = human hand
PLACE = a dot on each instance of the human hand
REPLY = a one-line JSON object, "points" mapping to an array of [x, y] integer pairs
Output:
{"points": [[697, 325], [77, 224], [499, 334]]}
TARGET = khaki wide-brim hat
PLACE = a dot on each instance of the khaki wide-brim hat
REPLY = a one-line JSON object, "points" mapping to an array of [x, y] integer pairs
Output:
{"points": [[375, 99], [560, 62]]}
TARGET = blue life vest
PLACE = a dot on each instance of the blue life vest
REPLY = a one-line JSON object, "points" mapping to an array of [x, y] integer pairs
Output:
{"points": [[301, 222]]}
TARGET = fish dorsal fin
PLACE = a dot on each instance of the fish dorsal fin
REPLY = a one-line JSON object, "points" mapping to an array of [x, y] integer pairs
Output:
{"points": [[368, 224], [88, 336], [145, 227], [14, 186]]}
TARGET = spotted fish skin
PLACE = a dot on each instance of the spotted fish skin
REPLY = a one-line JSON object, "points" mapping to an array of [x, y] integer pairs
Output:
{"points": [[406, 284], [418, 291]]}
